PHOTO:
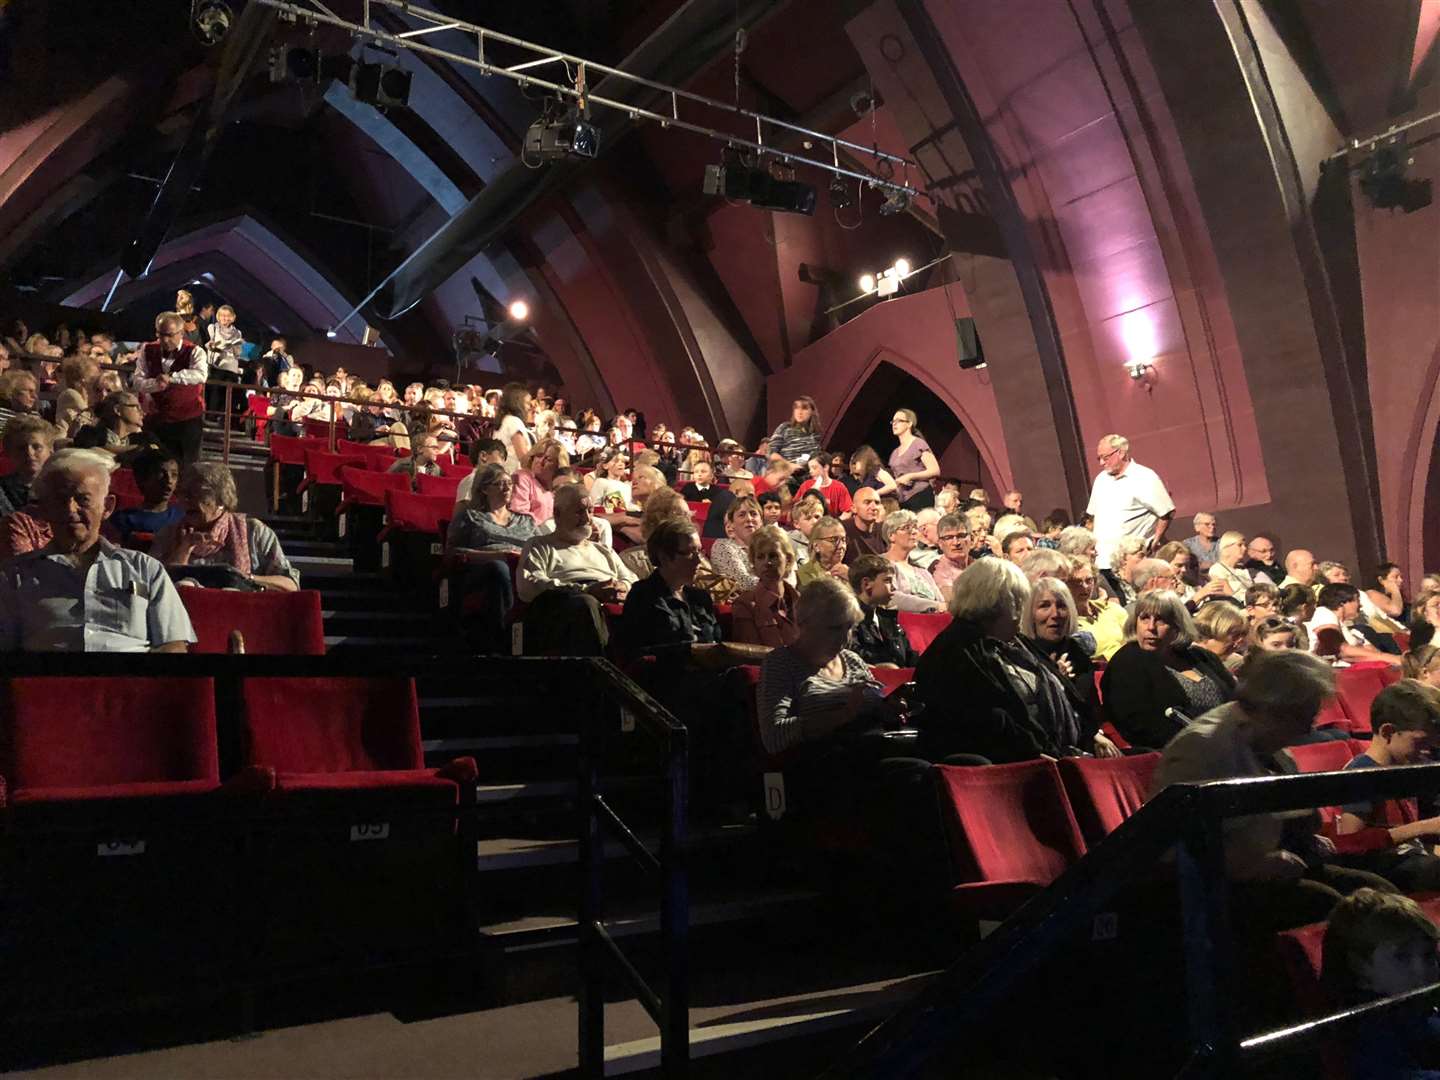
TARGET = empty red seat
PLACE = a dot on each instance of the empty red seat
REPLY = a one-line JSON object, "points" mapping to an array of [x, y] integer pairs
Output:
{"points": [[1103, 792], [892, 678], [408, 512], [320, 429], [323, 467], [459, 467], [1357, 687], [439, 485], [270, 623], [257, 408], [1333, 714], [365, 487], [367, 842], [1331, 756], [922, 628], [1011, 832], [290, 450]]}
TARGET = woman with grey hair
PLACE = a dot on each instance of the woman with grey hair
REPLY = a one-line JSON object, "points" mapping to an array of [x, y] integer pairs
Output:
{"points": [[985, 691], [915, 589], [1159, 668], [1125, 556], [213, 533], [1048, 626]]}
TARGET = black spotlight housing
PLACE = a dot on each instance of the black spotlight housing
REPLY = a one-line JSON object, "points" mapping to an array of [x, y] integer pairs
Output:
{"points": [[840, 197], [759, 188], [1383, 181], [383, 85]]}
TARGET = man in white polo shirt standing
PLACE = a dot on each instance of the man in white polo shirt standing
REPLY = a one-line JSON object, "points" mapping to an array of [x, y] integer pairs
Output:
{"points": [[1127, 500]]}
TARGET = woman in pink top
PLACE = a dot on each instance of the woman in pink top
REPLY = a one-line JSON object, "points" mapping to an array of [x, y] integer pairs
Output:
{"points": [[533, 494], [835, 494], [912, 463]]}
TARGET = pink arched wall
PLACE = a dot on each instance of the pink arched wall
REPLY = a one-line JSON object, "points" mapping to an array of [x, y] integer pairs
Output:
{"points": [[917, 334]]}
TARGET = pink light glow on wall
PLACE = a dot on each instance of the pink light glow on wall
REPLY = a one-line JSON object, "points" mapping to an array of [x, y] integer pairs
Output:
{"points": [[1137, 330]]}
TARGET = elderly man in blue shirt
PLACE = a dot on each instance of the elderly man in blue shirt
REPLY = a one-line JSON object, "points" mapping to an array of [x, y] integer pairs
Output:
{"points": [[81, 593]]}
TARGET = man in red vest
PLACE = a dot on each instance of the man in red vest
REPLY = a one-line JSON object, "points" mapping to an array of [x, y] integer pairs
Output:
{"points": [[173, 371]]}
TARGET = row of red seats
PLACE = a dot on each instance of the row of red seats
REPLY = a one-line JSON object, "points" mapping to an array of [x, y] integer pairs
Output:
{"points": [[318, 838]]}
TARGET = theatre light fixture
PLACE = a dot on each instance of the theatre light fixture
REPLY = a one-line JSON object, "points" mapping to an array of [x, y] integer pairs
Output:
{"points": [[519, 310], [887, 282]]}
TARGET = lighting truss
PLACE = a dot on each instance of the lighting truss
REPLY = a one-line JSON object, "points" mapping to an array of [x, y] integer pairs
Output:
{"points": [[766, 127]]}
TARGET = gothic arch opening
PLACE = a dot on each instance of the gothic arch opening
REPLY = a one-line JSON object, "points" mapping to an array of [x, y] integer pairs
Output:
{"points": [[888, 388]]}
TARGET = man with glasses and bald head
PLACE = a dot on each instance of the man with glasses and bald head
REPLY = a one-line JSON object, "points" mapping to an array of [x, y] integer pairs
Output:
{"points": [[1128, 499]]}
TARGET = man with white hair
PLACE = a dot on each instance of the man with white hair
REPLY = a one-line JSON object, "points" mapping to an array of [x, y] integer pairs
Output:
{"points": [[927, 545], [1128, 499], [81, 593], [1299, 568]]}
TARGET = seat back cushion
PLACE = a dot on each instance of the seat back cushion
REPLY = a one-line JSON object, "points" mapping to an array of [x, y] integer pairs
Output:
{"points": [[1104, 792], [319, 725]]}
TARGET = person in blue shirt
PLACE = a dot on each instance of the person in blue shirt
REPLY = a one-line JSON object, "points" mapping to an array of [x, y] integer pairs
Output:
{"points": [[157, 472]]}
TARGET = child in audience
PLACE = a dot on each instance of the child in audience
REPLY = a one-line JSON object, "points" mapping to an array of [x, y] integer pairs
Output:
{"points": [[771, 508], [1406, 721], [157, 472], [878, 637], [1379, 945]]}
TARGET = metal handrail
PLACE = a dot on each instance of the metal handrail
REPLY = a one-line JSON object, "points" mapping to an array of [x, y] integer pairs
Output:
{"points": [[1188, 818], [670, 1006]]}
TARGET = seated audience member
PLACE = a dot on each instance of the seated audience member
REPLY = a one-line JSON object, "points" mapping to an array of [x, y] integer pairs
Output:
{"points": [[1223, 631], [565, 577], [926, 552], [1108, 625], [1125, 556], [1380, 944], [29, 441], [609, 484], [804, 513], [862, 527], [1299, 568], [915, 589], [1054, 523], [1260, 560], [1048, 626], [1203, 544], [157, 474], [835, 494], [952, 535], [827, 553], [1090, 603], [877, 637], [730, 556], [867, 471], [1405, 719], [1077, 541], [645, 480], [213, 533], [79, 394], [1160, 667], [80, 593], [765, 613], [1280, 875], [1384, 604], [480, 533], [1422, 663], [701, 487], [982, 544], [1273, 632], [1261, 601], [1336, 609], [482, 452], [1297, 603], [1331, 573], [534, 484], [119, 428], [1183, 562], [1014, 503], [19, 395], [1228, 569], [772, 508], [661, 506], [985, 692], [1015, 544], [424, 449], [1044, 562], [368, 423]]}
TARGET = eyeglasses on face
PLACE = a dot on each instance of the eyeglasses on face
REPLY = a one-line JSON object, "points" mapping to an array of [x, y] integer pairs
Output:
{"points": [[1103, 458], [952, 538]]}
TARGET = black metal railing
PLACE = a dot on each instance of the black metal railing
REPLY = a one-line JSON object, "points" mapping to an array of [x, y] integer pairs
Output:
{"points": [[1189, 819], [669, 1006]]}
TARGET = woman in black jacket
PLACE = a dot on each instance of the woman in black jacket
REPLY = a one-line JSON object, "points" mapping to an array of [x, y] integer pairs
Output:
{"points": [[985, 691], [1048, 627], [1158, 668]]}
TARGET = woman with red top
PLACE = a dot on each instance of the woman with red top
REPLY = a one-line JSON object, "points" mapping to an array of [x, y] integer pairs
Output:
{"points": [[173, 371], [837, 498], [765, 614]]}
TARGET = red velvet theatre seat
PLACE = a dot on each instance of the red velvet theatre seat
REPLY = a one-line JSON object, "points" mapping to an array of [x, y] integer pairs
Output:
{"points": [[362, 840], [1011, 833], [1104, 792], [271, 623], [121, 845]]}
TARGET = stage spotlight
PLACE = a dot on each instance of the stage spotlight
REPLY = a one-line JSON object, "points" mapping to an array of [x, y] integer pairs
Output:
{"points": [[867, 283], [737, 181], [332, 334], [897, 202], [303, 63], [210, 20], [902, 267], [1384, 184], [519, 311], [840, 197], [559, 132]]}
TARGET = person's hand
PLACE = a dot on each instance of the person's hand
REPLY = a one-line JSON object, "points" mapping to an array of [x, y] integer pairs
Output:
{"points": [[841, 571], [164, 381], [1063, 663], [1215, 587], [1104, 748]]}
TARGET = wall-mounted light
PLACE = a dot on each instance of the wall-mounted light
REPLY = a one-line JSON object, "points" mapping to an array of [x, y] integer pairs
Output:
{"points": [[887, 282], [867, 283], [1142, 371]]}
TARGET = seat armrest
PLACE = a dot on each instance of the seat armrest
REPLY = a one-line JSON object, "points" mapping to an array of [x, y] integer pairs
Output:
{"points": [[253, 781], [462, 770]]}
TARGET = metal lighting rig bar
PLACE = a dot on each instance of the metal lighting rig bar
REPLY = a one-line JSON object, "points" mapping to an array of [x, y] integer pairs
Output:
{"points": [[314, 11]]}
